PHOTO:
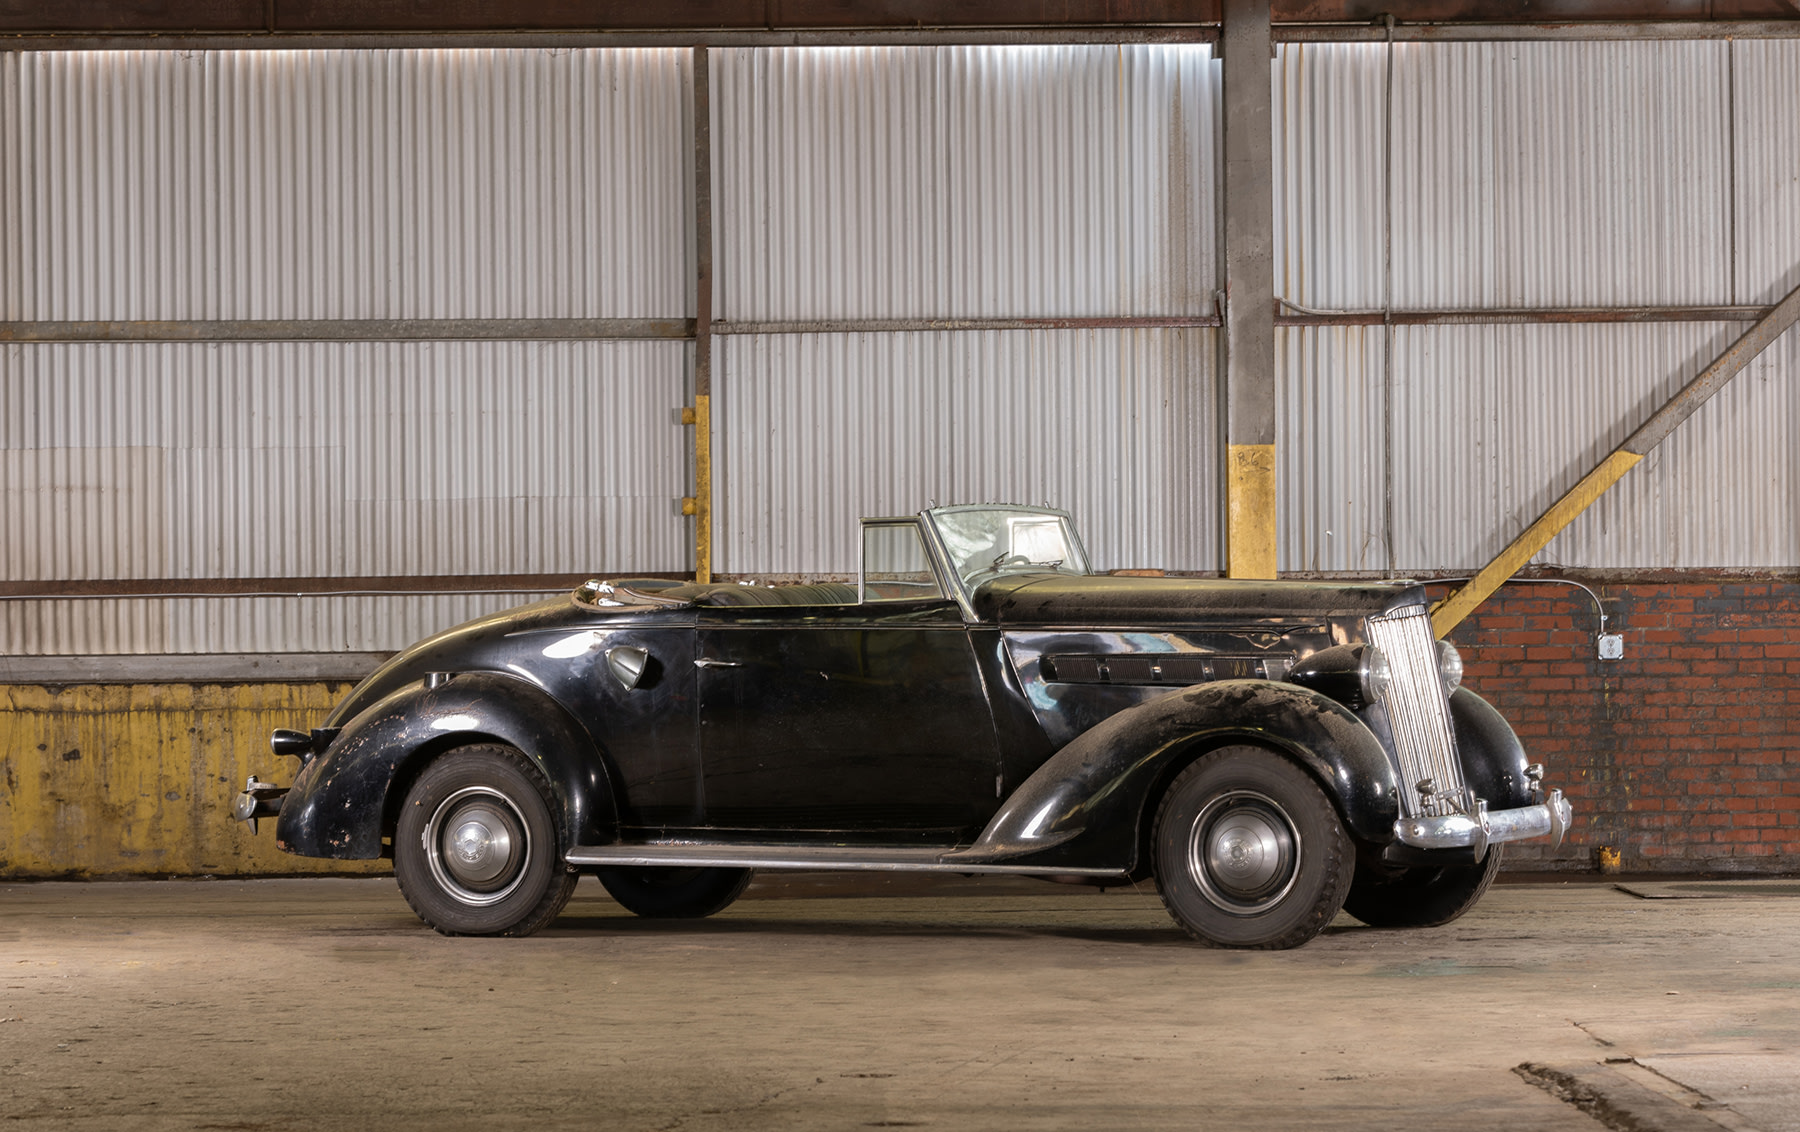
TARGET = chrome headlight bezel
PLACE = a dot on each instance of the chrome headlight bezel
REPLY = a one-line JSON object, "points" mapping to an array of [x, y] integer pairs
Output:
{"points": [[1450, 666], [1375, 674]]}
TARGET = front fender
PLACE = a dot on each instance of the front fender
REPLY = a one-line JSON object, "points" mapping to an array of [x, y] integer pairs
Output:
{"points": [[341, 801], [1084, 807], [1493, 759]]}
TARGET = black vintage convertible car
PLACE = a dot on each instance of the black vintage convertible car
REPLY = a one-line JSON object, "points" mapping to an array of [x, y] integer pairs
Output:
{"points": [[979, 702]]}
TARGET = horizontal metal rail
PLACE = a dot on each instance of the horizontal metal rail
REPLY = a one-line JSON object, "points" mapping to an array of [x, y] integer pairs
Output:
{"points": [[1575, 30], [393, 585], [1522, 315], [190, 668], [745, 37], [346, 330], [682, 329], [904, 325]]}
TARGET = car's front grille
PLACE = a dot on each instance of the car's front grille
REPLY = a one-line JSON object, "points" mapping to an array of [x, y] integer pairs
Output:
{"points": [[1419, 713]]}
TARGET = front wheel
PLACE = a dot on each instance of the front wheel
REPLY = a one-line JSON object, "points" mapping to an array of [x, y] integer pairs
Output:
{"points": [[1249, 852], [672, 892], [475, 847], [1419, 897]]}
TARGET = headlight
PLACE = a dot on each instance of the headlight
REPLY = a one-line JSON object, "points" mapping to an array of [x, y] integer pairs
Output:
{"points": [[1375, 674], [1450, 668]]}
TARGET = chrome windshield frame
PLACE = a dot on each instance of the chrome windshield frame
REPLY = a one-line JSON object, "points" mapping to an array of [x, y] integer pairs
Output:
{"points": [[939, 548]]}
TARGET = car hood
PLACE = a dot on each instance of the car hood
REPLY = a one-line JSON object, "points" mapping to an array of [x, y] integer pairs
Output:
{"points": [[1043, 598]]}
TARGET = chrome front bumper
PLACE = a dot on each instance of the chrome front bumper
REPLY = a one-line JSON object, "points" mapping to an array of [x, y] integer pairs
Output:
{"points": [[1480, 829], [259, 800]]}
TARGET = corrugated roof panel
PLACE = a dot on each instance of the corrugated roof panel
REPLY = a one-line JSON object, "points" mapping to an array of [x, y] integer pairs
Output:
{"points": [[455, 183], [1561, 174], [1767, 147], [816, 431], [342, 459], [1330, 102], [965, 182], [1332, 447], [1493, 423]]}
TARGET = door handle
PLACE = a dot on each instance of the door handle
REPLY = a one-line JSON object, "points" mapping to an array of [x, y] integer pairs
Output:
{"points": [[709, 662]]}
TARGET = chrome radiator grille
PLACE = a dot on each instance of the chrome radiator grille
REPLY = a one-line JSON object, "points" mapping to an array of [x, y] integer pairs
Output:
{"points": [[1419, 713]]}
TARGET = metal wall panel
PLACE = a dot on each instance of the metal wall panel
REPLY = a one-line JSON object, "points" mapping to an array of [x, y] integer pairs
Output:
{"points": [[1560, 174], [1766, 136], [1524, 174], [966, 182], [1117, 426], [341, 459], [1330, 178], [1493, 423], [1331, 441], [346, 184], [160, 626]]}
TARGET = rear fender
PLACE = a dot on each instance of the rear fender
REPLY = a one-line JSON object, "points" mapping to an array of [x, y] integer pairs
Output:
{"points": [[1089, 804], [346, 799]]}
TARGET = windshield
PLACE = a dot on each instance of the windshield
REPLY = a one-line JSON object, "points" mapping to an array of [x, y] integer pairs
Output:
{"points": [[985, 541]]}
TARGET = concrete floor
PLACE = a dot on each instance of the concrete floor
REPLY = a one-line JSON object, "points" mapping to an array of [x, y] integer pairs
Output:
{"points": [[840, 1003]]}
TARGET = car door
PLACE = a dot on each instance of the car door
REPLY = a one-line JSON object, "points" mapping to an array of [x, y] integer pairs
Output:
{"points": [[868, 721]]}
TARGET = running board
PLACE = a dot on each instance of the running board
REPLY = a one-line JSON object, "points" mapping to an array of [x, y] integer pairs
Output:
{"points": [[848, 858]]}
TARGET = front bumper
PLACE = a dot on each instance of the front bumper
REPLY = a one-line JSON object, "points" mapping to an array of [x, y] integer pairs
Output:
{"points": [[259, 800], [1478, 830]]}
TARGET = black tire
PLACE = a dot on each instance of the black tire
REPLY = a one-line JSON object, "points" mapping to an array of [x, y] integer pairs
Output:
{"points": [[1249, 852], [476, 847], [1419, 897], [672, 892]]}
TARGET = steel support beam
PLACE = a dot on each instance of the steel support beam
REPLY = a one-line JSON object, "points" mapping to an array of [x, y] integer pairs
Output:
{"points": [[1453, 609], [703, 335], [1250, 520]]}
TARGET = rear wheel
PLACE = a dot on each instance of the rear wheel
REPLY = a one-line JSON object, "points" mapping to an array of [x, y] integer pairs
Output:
{"points": [[672, 892], [1249, 851], [475, 847], [1419, 897]]}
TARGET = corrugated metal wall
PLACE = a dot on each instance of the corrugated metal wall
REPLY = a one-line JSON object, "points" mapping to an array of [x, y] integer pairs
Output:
{"points": [[889, 183], [860, 184], [1117, 426], [1534, 175], [347, 184], [966, 182], [291, 185]]}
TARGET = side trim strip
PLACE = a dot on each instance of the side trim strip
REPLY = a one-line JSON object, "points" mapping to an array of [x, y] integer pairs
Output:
{"points": [[846, 858]]}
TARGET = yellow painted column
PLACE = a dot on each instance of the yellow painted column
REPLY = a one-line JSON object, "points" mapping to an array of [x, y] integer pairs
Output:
{"points": [[1250, 511], [703, 489]]}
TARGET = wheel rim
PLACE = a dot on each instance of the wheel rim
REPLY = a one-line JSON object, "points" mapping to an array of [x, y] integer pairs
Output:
{"points": [[1244, 852], [477, 844]]}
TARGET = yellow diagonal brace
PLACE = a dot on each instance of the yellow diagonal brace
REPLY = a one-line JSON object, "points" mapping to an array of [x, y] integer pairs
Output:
{"points": [[1450, 612]]}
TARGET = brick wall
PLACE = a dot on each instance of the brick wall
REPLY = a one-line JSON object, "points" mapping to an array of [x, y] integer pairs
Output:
{"points": [[1684, 755]]}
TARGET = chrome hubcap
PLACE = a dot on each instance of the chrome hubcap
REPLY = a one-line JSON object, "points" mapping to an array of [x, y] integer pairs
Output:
{"points": [[477, 845], [1243, 852]]}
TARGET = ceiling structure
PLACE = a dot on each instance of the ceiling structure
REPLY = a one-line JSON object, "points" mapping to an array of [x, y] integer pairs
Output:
{"points": [[27, 22]]}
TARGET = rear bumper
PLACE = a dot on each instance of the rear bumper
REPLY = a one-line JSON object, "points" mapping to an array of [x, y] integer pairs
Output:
{"points": [[1480, 829]]}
